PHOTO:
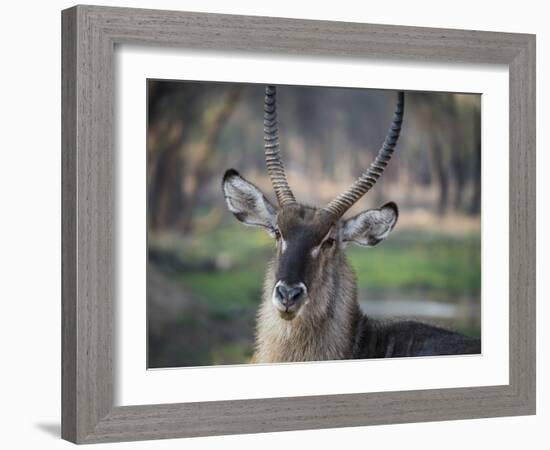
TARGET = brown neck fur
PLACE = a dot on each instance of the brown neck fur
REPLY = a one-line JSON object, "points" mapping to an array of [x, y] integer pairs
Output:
{"points": [[325, 327]]}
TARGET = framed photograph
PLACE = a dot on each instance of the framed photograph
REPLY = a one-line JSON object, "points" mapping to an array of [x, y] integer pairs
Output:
{"points": [[278, 224]]}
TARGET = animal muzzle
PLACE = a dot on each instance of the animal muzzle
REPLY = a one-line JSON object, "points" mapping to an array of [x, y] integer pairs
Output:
{"points": [[288, 298]]}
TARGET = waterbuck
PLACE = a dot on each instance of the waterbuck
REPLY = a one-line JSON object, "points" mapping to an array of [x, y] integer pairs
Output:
{"points": [[309, 310]]}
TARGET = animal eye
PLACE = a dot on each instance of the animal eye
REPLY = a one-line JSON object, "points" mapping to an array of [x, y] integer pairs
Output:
{"points": [[328, 243], [277, 234]]}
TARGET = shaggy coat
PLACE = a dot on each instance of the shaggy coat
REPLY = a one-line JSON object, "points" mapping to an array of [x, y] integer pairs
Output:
{"points": [[323, 321], [331, 326]]}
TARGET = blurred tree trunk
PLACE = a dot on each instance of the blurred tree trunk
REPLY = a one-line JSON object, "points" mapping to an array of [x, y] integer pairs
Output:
{"points": [[459, 169], [440, 174], [164, 201], [168, 122], [201, 159], [164, 169], [456, 150], [475, 201]]}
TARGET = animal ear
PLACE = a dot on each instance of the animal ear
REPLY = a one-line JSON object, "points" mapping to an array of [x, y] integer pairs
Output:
{"points": [[370, 227], [247, 203]]}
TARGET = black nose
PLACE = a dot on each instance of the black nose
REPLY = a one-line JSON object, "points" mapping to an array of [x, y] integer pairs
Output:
{"points": [[289, 295]]}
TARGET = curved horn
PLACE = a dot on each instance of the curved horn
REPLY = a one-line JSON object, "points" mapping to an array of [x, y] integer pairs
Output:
{"points": [[271, 144], [368, 178]]}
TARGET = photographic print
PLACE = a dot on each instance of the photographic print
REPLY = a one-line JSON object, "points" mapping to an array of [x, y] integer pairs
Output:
{"points": [[298, 223], [288, 224]]}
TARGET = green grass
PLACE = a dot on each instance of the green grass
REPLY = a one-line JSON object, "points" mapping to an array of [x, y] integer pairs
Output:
{"points": [[407, 265], [226, 290], [230, 353], [444, 266], [437, 265], [240, 243]]}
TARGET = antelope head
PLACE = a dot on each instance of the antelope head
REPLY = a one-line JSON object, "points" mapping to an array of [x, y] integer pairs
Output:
{"points": [[309, 239]]}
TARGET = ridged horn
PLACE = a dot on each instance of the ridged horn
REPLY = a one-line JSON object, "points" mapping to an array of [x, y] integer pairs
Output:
{"points": [[367, 179], [272, 154]]}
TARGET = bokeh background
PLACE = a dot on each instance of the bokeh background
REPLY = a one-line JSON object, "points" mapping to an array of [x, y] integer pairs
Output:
{"points": [[205, 269]]}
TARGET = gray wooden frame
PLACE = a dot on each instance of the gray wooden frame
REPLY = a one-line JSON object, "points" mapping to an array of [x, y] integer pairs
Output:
{"points": [[90, 34]]}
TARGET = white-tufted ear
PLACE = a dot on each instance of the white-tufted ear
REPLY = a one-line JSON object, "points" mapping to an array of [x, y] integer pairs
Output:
{"points": [[247, 203], [370, 227]]}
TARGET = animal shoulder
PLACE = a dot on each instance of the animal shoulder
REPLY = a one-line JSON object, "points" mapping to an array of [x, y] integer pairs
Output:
{"points": [[387, 339]]}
